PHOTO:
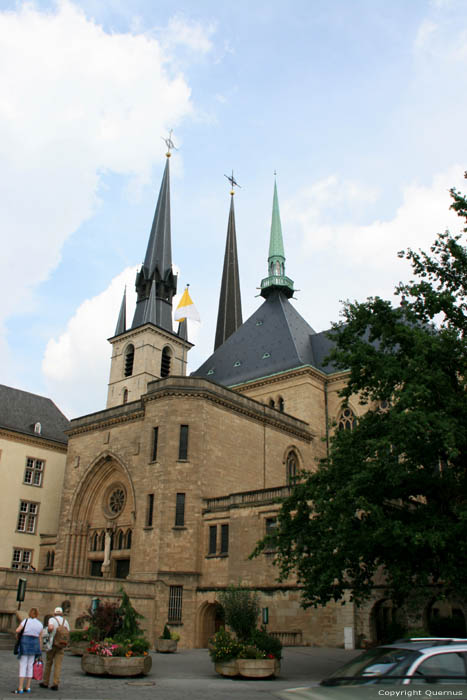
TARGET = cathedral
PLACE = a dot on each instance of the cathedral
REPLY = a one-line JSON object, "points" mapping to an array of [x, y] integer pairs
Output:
{"points": [[170, 486]]}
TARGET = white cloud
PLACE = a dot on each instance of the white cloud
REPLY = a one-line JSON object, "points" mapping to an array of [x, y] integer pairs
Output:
{"points": [[188, 33], [76, 103], [337, 261], [80, 356], [424, 211]]}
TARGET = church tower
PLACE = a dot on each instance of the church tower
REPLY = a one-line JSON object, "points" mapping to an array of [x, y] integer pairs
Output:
{"points": [[229, 316], [150, 349]]}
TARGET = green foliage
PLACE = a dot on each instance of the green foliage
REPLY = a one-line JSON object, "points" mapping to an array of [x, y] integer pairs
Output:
{"points": [[80, 636], [271, 646], [223, 646], [105, 621], [166, 633], [129, 628], [241, 607], [389, 499]]}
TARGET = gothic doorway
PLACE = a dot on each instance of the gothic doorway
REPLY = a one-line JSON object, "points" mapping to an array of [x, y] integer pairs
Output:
{"points": [[210, 619]]}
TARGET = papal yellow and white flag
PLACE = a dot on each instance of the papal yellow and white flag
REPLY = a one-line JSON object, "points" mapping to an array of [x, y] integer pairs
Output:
{"points": [[186, 309]]}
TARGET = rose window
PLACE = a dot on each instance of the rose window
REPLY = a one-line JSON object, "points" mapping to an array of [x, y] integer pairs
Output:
{"points": [[117, 501]]}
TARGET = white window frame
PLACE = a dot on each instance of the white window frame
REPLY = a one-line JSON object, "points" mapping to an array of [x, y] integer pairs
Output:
{"points": [[34, 472], [27, 517]]}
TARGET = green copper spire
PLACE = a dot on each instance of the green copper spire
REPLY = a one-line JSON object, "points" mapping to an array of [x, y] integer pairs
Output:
{"points": [[276, 259]]}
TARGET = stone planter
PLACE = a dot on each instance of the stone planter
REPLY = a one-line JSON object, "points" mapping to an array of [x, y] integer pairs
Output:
{"points": [[258, 668], [166, 646], [227, 668], [116, 665]]}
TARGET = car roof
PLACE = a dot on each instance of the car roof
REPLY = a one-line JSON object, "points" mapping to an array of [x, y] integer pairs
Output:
{"points": [[427, 647]]}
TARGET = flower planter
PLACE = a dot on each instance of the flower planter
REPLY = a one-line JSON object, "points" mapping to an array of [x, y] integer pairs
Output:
{"points": [[227, 668], [166, 646], [258, 668], [116, 665]]}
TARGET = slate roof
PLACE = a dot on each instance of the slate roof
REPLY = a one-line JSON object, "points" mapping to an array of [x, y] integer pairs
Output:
{"points": [[274, 339], [20, 411]]}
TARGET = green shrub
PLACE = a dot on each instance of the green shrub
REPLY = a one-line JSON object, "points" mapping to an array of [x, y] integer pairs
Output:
{"points": [[267, 643], [139, 646], [166, 633], [241, 607], [223, 646]]}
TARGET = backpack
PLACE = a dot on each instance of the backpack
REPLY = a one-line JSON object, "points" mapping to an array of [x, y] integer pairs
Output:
{"points": [[62, 635]]}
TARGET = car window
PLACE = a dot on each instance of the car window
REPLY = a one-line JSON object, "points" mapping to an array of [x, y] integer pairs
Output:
{"points": [[373, 664], [439, 668]]}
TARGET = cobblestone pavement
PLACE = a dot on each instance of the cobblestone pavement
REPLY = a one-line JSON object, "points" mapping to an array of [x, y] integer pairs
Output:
{"points": [[186, 675]]}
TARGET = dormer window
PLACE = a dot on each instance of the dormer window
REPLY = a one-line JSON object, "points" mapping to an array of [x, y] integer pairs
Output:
{"points": [[37, 428], [210, 371], [266, 355], [237, 363]]}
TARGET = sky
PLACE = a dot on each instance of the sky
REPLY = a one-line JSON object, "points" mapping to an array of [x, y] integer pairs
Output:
{"points": [[359, 106]]}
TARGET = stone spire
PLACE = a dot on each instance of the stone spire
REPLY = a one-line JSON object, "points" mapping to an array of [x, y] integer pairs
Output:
{"points": [[121, 323], [229, 316], [157, 267], [276, 260]]}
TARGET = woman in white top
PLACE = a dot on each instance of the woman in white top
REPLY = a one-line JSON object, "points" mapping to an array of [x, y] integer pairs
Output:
{"points": [[30, 647]]}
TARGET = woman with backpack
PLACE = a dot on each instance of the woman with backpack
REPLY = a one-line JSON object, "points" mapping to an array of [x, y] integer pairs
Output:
{"points": [[30, 646], [59, 636]]}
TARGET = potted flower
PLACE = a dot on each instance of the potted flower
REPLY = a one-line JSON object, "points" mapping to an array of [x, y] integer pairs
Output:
{"points": [[123, 651], [167, 642], [112, 658], [248, 652]]}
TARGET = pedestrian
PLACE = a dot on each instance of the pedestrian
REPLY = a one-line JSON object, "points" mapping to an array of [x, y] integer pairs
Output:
{"points": [[30, 647], [59, 634]]}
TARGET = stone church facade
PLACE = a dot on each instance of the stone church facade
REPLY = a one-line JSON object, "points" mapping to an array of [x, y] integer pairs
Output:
{"points": [[168, 489]]}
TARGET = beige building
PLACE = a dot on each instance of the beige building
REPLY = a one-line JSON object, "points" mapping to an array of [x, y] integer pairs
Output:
{"points": [[169, 487], [33, 448]]}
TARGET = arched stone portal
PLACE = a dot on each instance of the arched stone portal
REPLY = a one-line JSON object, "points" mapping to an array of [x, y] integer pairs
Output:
{"points": [[210, 619], [385, 621]]}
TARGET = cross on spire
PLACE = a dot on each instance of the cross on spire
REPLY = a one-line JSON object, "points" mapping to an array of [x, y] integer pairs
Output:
{"points": [[169, 143], [233, 182]]}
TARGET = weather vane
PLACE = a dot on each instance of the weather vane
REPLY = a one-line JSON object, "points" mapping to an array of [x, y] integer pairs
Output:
{"points": [[169, 143], [233, 182]]}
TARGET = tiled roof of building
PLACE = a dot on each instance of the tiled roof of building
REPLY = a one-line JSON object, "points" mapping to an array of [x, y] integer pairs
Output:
{"points": [[20, 411], [274, 339]]}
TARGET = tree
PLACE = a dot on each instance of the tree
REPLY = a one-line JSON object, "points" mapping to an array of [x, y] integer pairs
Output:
{"points": [[241, 609], [389, 502]]}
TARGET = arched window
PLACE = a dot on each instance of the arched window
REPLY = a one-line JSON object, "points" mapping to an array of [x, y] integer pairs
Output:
{"points": [[271, 403], [120, 543], [102, 542], [165, 362], [281, 404], [128, 540], [291, 467], [129, 359], [125, 396], [37, 428], [347, 419], [94, 542]]}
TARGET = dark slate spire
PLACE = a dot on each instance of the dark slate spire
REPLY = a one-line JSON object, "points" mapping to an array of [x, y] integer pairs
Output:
{"points": [[121, 323], [157, 266], [183, 329], [276, 261], [229, 316]]}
